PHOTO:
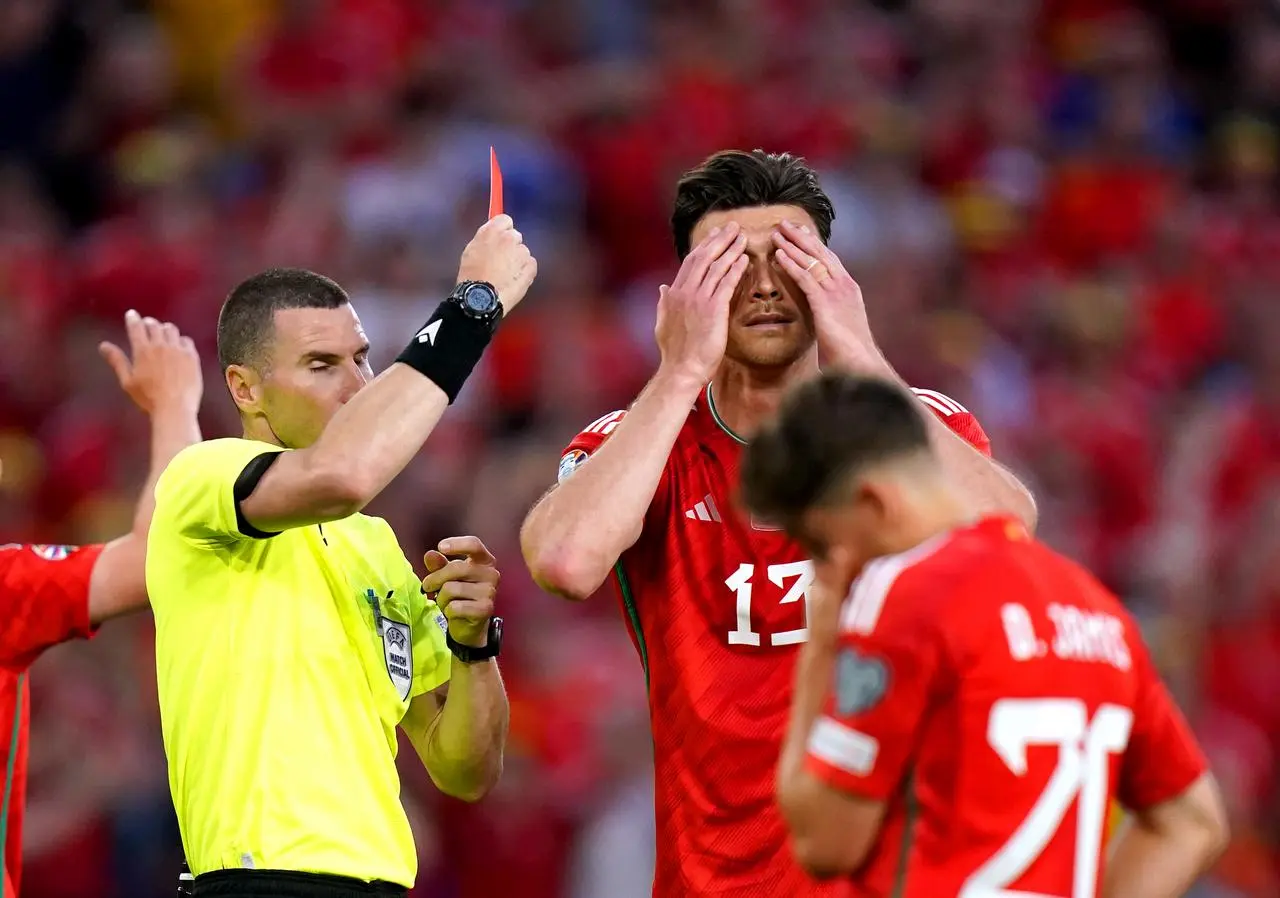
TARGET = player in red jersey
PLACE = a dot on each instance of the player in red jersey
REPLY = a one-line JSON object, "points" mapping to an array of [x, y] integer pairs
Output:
{"points": [[973, 680], [49, 594], [717, 603]]}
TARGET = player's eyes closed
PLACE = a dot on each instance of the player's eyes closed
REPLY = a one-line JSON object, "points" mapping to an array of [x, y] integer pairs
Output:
{"points": [[769, 256]]}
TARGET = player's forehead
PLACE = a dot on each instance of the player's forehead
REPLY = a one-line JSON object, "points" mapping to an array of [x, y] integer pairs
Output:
{"points": [[758, 222], [302, 333]]}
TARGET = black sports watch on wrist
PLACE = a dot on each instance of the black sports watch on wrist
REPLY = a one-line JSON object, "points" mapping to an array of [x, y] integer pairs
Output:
{"points": [[469, 654], [478, 300]]}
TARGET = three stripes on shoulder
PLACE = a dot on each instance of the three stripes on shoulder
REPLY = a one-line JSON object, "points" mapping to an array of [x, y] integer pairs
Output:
{"points": [[939, 402]]}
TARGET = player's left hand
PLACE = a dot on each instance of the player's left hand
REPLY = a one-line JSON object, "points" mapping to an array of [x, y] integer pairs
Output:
{"points": [[161, 372], [462, 580], [839, 313]]}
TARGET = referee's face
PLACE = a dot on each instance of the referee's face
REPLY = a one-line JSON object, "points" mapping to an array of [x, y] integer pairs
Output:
{"points": [[319, 360]]}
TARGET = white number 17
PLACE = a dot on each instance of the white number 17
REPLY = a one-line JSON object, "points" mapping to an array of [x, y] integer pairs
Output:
{"points": [[1083, 772], [740, 582]]}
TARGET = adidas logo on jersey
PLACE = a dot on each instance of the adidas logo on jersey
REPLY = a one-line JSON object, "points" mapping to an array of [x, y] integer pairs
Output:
{"points": [[704, 511]]}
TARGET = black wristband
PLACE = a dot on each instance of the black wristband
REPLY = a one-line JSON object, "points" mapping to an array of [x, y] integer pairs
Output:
{"points": [[469, 654], [447, 347]]}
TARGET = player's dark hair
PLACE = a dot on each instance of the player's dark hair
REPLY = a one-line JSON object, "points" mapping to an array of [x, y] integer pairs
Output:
{"points": [[735, 179], [247, 320], [827, 430]]}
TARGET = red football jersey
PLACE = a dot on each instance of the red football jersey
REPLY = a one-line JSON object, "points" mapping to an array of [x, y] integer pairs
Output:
{"points": [[999, 699], [716, 606], [44, 600]]}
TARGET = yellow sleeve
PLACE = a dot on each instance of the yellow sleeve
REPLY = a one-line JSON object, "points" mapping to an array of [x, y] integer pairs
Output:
{"points": [[195, 496], [432, 660]]}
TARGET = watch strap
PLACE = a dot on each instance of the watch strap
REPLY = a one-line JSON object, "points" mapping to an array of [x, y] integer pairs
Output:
{"points": [[469, 654]]}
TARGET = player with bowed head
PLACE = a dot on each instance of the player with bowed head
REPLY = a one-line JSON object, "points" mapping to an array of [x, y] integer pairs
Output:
{"points": [[50, 594], [717, 604], [972, 695]]}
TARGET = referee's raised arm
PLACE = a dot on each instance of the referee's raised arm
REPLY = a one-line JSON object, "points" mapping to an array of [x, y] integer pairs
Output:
{"points": [[373, 435], [293, 637]]}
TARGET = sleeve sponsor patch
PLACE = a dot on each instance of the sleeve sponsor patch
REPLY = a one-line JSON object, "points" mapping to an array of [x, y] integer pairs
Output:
{"points": [[861, 682], [53, 553], [842, 747], [569, 462], [48, 553]]}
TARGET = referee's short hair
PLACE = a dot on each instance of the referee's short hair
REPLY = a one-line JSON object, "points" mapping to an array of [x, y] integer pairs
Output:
{"points": [[828, 430], [247, 320]]}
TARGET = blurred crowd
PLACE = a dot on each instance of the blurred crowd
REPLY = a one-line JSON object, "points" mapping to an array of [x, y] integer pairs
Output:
{"points": [[1063, 213]]}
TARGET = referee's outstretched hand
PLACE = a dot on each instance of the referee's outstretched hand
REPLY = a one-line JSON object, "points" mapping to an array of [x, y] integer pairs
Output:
{"points": [[497, 255], [462, 580]]}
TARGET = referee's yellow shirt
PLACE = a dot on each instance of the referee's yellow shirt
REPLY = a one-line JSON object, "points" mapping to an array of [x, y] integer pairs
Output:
{"points": [[280, 688]]}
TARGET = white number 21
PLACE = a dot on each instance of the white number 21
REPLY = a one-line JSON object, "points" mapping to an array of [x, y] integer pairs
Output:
{"points": [[1082, 772], [740, 582]]}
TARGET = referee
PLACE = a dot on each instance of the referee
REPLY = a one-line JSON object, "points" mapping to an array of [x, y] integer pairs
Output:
{"points": [[292, 635]]}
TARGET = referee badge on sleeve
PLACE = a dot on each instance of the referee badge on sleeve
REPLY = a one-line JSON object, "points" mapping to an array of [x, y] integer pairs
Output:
{"points": [[397, 647]]}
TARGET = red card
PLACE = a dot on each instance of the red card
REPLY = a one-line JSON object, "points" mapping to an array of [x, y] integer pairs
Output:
{"points": [[495, 185]]}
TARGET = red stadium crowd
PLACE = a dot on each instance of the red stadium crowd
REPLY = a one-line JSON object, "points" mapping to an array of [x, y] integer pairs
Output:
{"points": [[1063, 213]]}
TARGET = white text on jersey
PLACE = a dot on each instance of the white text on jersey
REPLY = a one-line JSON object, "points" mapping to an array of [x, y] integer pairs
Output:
{"points": [[1079, 635]]}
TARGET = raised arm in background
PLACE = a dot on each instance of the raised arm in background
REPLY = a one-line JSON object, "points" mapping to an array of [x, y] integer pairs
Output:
{"points": [[161, 373]]}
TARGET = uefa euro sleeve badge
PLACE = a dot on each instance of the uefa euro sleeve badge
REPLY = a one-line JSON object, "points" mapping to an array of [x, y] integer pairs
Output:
{"points": [[861, 682], [397, 647]]}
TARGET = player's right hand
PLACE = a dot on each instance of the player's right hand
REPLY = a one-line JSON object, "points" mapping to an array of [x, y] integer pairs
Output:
{"points": [[833, 577], [497, 255], [693, 313], [161, 372]]}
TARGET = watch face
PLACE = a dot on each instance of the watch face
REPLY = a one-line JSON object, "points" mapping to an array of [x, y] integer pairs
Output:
{"points": [[480, 299]]}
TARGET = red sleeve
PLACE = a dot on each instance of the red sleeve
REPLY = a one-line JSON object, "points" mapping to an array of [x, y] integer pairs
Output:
{"points": [[1163, 758], [587, 441], [45, 593], [886, 664], [957, 417], [590, 439]]}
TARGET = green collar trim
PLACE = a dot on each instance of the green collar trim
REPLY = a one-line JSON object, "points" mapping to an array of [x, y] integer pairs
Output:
{"points": [[715, 416]]}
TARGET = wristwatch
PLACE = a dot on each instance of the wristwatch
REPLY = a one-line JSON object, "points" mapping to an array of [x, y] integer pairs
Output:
{"points": [[469, 654], [478, 300]]}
